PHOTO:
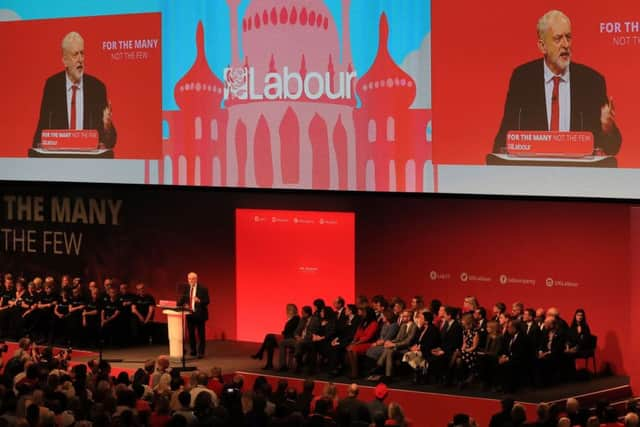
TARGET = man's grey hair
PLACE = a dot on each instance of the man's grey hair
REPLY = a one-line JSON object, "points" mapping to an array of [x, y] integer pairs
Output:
{"points": [[543, 22], [69, 38]]}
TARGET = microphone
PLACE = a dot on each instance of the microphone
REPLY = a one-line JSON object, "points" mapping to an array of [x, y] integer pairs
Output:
{"points": [[519, 118]]}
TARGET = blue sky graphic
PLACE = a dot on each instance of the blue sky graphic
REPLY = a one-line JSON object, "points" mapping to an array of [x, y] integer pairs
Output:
{"points": [[409, 22]]}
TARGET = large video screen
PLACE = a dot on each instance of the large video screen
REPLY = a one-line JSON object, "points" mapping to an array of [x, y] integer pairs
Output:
{"points": [[531, 99]]}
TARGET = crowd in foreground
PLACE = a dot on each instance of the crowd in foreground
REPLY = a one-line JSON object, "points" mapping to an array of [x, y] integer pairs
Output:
{"points": [[567, 414], [39, 389], [439, 344]]}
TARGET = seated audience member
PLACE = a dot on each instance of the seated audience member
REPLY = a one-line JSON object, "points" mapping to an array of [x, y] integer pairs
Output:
{"points": [[395, 416], [377, 405], [142, 311], [575, 413], [561, 324], [488, 355], [531, 329], [498, 309], [480, 320], [517, 310], [542, 416], [336, 351], [579, 339], [518, 415], [305, 345], [320, 416], [379, 304], [541, 314], [631, 420], [397, 346], [465, 359], [450, 342], [365, 335], [321, 339], [513, 358], [434, 307], [398, 308], [270, 342], [91, 318], [330, 394], [503, 418], [416, 305], [388, 332], [503, 321], [303, 404], [426, 338], [350, 408], [550, 353], [216, 381], [301, 333], [200, 386], [469, 305], [564, 422]]}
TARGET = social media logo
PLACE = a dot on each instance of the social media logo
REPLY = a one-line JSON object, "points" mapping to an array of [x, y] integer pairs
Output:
{"points": [[464, 277], [503, 279], [549, 282]]}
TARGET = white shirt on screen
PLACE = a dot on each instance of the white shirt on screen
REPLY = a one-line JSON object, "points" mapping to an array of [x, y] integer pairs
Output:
{"points": [[564, 97], [79, 103]]}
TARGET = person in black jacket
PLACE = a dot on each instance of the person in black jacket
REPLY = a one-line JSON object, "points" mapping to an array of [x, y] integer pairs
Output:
{"points": [[579, 339], [427, 338], [451, 340], [195, 296], [335, 349], [270, 342], [513, 357], [550, 353]]}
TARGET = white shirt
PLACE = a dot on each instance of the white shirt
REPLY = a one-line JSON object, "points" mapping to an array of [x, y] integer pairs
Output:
{"points": [[192, 296], [79, 102], [564, 97]]}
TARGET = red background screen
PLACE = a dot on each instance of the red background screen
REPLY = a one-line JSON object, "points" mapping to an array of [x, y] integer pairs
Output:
{"points": [[289, 257]]}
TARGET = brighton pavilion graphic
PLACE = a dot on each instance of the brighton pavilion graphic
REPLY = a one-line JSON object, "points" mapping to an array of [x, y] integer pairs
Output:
{"points": [[286, 114]]}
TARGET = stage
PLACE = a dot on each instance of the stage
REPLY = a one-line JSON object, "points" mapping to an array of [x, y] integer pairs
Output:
{"points": [[426, 405]]}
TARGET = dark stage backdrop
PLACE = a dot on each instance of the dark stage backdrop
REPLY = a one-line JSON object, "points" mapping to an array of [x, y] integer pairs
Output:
{"points": [[570, 254]]}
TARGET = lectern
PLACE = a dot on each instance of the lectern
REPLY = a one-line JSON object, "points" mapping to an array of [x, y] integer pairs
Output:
{"points": [[175, 322]]}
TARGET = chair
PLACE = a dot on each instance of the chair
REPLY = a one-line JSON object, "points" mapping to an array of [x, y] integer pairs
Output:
{"points": [[590, 354]]}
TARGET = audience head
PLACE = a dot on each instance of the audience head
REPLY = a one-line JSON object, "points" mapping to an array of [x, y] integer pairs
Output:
{"points": [[529, 315], [499, 308], [518, 414], [353, 390], [470, 304], [631, 420], [564, 422], [330, 391], [593, 421], [461, 420], [507, 405], [542, 412], [318, 304], [572, 405], [307, 311], [480, 313], [396, 413]]}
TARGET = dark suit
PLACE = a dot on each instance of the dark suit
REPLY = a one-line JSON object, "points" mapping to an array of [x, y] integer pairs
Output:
{"points": [[451, 340], [53, 108], [515, 348], [197, 319], [526, 107], [549, 368]]}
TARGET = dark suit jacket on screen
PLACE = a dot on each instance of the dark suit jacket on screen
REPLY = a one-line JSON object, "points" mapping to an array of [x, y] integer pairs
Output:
{"points": [[53, 108], [201, 308], [526, 108]]}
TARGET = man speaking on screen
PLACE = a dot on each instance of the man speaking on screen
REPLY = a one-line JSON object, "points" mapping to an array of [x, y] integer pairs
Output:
{"points": [[553, 93], [73, 99]]}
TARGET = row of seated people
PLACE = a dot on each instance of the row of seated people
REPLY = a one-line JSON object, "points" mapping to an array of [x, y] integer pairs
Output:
{"points": [[440, 344], [73, 315]]}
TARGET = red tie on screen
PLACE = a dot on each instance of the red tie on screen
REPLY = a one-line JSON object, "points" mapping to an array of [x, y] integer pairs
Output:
{"points": [[73, 107], [555, 105]]}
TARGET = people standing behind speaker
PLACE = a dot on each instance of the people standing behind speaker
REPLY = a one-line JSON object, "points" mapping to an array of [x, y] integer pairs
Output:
{"points": [[110, 318], [91, 317], [74, 320], [57, 330], [126, 317], [8, 294], [142, 311], [270, 341], [44, 313], [196, 298]]}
